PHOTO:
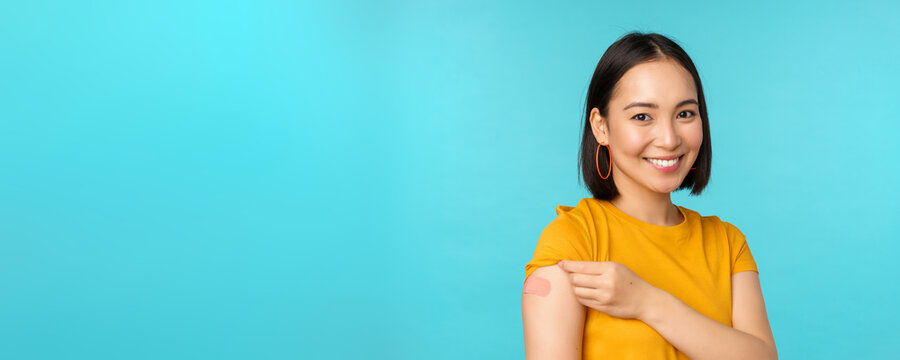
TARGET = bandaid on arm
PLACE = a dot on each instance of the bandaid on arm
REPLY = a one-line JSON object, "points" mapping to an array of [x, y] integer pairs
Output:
{"points": [[552, 319], [536, 285]]}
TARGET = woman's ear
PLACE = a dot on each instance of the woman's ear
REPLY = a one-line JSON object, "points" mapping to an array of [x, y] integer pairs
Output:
{"points": [[598, 126]]}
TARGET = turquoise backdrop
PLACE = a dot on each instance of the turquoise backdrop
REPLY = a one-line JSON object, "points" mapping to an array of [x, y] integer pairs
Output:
{"points": [[366, 180]]}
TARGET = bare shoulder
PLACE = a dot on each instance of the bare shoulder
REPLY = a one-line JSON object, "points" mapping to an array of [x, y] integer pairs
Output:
{"points": [[552, 317], [748, 307]]}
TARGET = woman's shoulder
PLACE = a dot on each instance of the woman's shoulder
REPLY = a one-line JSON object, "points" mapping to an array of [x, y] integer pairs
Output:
{"points": [[569, 236], [730, 230], [572, 215], [585, 214], [584, 207], [706, 219]]}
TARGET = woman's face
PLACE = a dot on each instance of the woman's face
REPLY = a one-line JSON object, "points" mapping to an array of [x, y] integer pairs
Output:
{"points": [[653, 113]]}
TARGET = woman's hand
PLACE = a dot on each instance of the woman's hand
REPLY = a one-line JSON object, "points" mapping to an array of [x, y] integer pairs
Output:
{"points": [[611, 287]]}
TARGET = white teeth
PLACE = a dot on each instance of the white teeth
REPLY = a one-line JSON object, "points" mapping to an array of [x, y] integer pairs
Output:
{"points": [[664, 163]]}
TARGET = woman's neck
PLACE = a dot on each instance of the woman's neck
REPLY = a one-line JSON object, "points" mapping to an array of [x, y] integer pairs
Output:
{"points": [[656, 210]]}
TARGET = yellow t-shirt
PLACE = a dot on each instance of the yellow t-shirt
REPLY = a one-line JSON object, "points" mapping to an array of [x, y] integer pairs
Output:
{"points": [[693, 261]]}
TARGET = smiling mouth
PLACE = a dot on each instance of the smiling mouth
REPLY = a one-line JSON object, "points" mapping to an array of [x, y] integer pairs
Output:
{"points": [[665, 164]]}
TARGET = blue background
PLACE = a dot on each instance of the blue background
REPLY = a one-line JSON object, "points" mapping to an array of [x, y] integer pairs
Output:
{"points": [[283, 180]]}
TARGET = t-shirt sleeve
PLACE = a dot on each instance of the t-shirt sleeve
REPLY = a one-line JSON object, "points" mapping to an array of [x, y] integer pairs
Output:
{"points": [[741, 257], [565, 238]]}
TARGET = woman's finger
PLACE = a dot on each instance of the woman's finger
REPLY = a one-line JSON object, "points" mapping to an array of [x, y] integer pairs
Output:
{"points": [[584, 280], [585, 292]]}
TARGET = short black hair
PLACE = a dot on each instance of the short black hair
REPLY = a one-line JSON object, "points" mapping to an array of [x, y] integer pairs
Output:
{"points": [[629, 50]]}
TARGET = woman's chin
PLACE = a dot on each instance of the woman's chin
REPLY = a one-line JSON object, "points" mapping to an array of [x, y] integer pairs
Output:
{"points": [[665, 188]]}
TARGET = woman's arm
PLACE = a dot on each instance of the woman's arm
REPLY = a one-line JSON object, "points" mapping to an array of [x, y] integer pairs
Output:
{"points": [[553, 322], [700, 337]]}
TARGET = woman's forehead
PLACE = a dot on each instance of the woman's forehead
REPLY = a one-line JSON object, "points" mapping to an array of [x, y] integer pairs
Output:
{"points": [[660, 82]]}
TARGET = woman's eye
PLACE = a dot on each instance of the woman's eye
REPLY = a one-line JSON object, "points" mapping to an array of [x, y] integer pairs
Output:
{"points": [[644, 115], [688, 111]]}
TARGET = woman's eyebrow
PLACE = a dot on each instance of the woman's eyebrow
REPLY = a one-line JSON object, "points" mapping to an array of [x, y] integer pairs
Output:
{"points": [[652, 105]]}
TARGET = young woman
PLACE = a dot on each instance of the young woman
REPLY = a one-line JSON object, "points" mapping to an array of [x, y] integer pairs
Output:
{"points": [[627, 273]]}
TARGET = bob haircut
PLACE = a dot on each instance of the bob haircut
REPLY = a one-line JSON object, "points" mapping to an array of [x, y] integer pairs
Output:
{"points": [[630, 50]]}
